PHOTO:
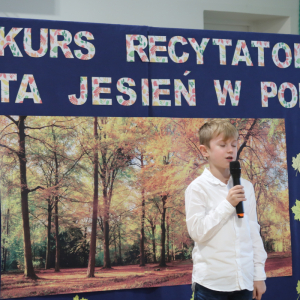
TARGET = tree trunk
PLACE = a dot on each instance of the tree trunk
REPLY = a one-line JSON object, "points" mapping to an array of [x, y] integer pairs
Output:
{"points": [[168, 239], [5, 250], [163, 233], [33, 251], [104, 175], [120, 261], [91, 263], [153, 242], [106, 263], [4, 259], [112, 162], [86, 258], [28, 266], [115, 252], [57, 252], [173, 250], [57, 246], [142, 237], [47, 263]]}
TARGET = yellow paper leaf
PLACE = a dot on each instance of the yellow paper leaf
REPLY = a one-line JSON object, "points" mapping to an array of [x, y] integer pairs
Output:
{"points": [[296, 210], [192, 296], [296, 163], [298, 288]]}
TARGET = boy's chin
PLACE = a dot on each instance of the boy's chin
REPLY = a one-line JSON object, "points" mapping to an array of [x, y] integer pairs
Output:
{"points": [[222, 167], [227, 166]]}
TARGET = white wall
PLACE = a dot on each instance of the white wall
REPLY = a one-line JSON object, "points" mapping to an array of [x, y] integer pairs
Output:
{"points": [[246, 15]]}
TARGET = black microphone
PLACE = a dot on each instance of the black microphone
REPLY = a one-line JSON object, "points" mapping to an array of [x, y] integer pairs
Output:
{"points": [[235, 171]]}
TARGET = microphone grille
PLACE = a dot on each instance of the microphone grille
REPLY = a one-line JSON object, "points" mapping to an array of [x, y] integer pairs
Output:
{"points": [[235, 167]]}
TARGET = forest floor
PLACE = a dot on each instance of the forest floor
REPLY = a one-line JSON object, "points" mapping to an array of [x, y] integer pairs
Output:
{"points": [[279, 264], [67, 281], [74, 280]]}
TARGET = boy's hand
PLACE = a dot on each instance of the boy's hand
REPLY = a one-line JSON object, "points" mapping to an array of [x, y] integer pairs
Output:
{"points": [[259, 289], [235, 195]]}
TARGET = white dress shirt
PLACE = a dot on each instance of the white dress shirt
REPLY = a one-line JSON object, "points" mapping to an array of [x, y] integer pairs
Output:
{"points": [[228, 253]]}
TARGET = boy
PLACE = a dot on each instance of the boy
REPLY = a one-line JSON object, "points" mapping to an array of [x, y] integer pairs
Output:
{"points": [[228, 254]]}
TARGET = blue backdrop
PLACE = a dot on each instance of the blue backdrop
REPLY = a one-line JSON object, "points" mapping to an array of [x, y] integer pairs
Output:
{"points": [[57, 78]]}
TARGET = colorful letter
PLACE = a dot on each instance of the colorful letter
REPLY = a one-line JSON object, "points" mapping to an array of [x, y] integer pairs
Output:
{"points": [[234, 96], [180, 89], [83, 93], [43, 43], [156, 91], [199, 49], [222, 49], [96, 89], [131, 48], [265, 95], [282, 88], [153, 48], [54, 43], [126, 90], [34, 92], [297, 55], [5, 78], [171, 49], [237, 57], [288, 55], [9, 40], [261, 53], [84, 44], [145, 92]]}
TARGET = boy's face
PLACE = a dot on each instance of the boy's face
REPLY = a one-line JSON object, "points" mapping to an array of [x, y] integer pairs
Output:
{"points": [[221, 152]]}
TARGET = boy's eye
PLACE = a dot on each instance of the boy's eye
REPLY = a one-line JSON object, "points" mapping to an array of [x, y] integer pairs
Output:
{"points": [[222, 145]]}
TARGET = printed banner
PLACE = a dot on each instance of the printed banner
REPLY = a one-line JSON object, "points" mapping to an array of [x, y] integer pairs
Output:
{"points": [[98, 142]]}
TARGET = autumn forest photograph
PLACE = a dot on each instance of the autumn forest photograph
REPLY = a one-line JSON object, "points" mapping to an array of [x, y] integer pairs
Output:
{"points": [[97, 203]]}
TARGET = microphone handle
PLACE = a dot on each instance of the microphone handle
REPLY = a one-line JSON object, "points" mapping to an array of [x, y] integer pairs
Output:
{"points": [[239, 208]]}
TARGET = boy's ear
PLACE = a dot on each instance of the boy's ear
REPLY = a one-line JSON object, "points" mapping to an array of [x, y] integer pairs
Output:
{"points": [[203, 150]]}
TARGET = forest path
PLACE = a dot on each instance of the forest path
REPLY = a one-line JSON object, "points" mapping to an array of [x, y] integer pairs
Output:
{"points": [[119, 277], [74, 280]]}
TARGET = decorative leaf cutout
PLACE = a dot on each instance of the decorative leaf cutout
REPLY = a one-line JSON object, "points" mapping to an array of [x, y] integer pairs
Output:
{"points": [[296, 210], [296, 163]]}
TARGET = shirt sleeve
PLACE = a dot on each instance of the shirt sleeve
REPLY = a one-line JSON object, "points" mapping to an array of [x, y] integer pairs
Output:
{"points": [[259, 253], [201, 225]]}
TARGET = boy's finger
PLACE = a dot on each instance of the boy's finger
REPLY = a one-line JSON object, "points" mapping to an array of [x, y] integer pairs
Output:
{"points": [[237, 192], [237, 187], [258, 297]]}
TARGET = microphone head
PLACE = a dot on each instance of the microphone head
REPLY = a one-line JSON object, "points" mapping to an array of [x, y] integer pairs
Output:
{"points": [[235, 168]]}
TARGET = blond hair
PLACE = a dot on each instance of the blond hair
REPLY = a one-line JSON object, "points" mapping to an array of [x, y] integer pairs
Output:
{"points": [[213, 128]]}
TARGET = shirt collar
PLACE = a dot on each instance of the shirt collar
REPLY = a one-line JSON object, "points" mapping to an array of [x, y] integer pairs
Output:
{"points": [[214, 180]]}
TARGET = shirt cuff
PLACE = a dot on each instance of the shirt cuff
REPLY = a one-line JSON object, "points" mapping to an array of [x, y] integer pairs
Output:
{"points": [[259, 273]]}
